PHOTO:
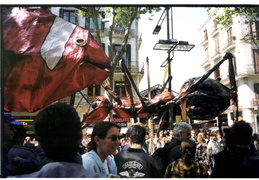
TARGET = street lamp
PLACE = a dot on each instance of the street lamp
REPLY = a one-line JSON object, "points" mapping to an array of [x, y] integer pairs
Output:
{"points": [[157, 29], [173, 45]]}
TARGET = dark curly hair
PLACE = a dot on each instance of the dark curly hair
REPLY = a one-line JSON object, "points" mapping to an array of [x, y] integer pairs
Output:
{"points": [[58, 129]]}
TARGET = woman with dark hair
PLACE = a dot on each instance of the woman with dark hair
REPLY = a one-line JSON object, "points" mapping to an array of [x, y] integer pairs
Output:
{"points": [[104, 142]]}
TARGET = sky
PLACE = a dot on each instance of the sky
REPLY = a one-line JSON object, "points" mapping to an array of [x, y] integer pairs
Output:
{"points": [[185, 65]]}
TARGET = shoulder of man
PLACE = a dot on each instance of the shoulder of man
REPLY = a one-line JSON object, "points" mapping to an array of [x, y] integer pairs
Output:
{"points": [[174, 142]]}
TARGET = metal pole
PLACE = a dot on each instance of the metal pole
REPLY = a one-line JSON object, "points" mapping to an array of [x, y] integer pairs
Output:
{"points": [[168, 57], [148, 79], [169, 66]]}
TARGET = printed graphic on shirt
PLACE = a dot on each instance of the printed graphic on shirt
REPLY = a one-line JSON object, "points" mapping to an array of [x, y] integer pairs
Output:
{"points": [[132, 169]]}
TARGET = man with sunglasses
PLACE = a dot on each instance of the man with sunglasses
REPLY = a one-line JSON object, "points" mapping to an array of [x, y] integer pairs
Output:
{"points": [[134, 162]]}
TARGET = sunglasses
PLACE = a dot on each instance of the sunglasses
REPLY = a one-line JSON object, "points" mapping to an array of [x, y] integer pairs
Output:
{"points": [[113, 138]]}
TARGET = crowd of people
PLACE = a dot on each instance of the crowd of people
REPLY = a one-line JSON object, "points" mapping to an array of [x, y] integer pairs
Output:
{"points": [[62, 150]]}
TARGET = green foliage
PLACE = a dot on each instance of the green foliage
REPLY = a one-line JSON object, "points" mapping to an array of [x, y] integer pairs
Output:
{"points": [[122, 14], [225, 18]]}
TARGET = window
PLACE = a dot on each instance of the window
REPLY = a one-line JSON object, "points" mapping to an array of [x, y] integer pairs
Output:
{"points": [[126, 57], [217, 50], [120, 88], [229, 33], [94, 90], [256, 91], [90, 23], [69, 15], [215, 26], [217, 73], [256, 60], [255, 30], [205, 35]]}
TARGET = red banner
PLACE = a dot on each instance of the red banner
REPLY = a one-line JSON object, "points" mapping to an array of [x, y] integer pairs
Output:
{"points": [[47, 58]]}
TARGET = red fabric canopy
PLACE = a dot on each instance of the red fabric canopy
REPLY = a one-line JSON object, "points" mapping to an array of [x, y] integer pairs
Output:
{"points": [[47, 58]]}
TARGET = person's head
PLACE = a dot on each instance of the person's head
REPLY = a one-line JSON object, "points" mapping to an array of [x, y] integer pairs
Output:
{"points": [[58, 129], [227, 143], [28, 140], [9, 123], [241, 133], [188, 149], [182, 131], [19, 135], [213, 136], [105, 138], [136, 134], [193, 133], [201, 137]]}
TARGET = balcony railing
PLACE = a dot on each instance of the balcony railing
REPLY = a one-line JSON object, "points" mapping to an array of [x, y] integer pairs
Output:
{"points": [[101, 31], [205, 61], [228, 45], [214, 54], [204, 40], [133, 67], [247, 70], [214, 31], [119, 31]]}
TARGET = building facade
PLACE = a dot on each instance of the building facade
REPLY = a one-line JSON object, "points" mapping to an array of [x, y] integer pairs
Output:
{"points": [[217, 41]]}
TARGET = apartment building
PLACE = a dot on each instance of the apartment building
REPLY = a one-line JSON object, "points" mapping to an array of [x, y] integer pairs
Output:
{"points": [[216, 42]]}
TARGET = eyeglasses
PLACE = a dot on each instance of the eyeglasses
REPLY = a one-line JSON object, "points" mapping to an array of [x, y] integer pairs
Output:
{"points": [[113, 138]]}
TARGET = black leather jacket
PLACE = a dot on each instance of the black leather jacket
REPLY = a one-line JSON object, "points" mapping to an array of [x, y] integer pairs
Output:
{"points": [[135, 163]]}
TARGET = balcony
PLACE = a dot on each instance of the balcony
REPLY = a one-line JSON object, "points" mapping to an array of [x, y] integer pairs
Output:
{"points": [[119, 31], [215, 54], [204, 40], [205, 62], [133, 67], [228, 45], [101, 31], [246, 70], [214, 31]]}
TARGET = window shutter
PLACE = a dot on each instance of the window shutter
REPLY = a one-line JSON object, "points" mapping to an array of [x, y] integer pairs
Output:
{"points": [[256, 91], [61, 12], [128, 53], [76, 17]]}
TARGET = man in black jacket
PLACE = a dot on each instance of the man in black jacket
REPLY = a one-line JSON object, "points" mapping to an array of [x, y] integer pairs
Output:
{"points": [[181, 131], [134, 162]]}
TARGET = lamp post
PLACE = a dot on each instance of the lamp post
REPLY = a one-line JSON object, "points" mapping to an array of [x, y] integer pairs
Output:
{"points": [[169, 45]]}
